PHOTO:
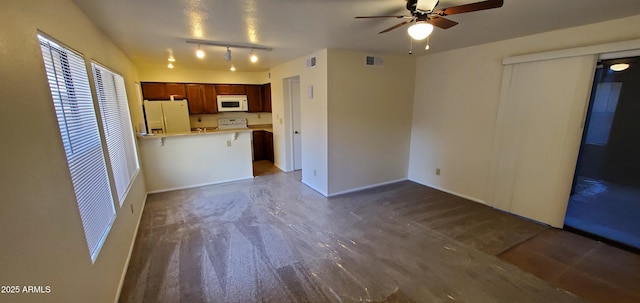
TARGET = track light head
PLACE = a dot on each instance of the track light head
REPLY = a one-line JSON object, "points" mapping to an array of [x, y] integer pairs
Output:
{"points": [[227, 55]]}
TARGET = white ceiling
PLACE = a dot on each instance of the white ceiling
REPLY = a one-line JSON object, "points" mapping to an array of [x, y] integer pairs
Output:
{"points": [[146, 30]]}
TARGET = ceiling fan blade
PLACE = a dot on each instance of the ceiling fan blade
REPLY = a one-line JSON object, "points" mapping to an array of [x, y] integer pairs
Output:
{"points": [[369, 17], [441, 22], [471, 7], [394, 27]]}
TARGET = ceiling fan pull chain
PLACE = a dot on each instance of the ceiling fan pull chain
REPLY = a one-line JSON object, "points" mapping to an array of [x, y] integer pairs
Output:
{"points": [[410, 46]]}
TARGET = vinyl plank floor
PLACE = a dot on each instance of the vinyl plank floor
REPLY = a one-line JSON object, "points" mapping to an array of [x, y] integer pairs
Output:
{"points": [[273, 239]]}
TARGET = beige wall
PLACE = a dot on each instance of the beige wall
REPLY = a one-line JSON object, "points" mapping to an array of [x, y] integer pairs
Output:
{"points": [[42, 239], [313, 118], [369, 119], [456, 104], [178, 74]]}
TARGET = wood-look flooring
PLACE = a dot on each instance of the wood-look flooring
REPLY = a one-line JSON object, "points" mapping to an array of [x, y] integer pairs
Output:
{"points": [[272, 239]]}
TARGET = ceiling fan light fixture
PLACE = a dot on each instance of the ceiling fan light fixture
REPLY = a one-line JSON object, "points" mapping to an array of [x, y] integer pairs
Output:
{"points": [[420, 30], [619, 67]]}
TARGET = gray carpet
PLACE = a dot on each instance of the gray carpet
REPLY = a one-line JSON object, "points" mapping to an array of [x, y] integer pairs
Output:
{"points": [[272, 239]]}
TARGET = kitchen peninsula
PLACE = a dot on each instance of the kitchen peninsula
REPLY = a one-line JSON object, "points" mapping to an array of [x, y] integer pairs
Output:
{"points": [[184, 160]]}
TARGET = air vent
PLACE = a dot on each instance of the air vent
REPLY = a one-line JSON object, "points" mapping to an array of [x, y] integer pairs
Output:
{"points": [[311, 62], [373, 61]]}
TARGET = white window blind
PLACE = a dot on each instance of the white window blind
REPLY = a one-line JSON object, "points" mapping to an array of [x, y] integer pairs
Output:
{"points": [[116, 122], [71, 93]]}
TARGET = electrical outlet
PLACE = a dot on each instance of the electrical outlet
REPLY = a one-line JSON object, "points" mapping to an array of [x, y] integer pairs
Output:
{"points": [[131, 207], [228, 143], [437, 171]]}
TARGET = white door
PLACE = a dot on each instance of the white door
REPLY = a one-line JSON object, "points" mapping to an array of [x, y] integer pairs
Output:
{"points": [[294, 86], [176, 117]]}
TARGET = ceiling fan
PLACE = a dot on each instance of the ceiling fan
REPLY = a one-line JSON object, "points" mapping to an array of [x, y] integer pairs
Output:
{"points": [[424, 16]]}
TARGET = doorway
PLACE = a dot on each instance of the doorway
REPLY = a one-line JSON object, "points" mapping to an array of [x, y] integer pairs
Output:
{"points": [[605, 198], [296, 121]]}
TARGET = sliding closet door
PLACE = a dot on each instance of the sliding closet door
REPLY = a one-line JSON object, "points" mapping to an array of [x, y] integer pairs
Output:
{"points": [[538, 133]]}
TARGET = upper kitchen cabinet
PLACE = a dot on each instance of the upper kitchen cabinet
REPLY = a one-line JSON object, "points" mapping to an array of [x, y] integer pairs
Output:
{"points": [[254, 97], [230, 89], [266, 97], [210, 99], [163, 91], [202, 99]]}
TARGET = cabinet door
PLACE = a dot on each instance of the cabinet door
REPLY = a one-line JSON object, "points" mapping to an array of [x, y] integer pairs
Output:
{"points": [[258, 145], [230, 89], [176, 90], [254, 98], [154, 91], [268, 146], [195, 99], [210, 99], [266, 97]]}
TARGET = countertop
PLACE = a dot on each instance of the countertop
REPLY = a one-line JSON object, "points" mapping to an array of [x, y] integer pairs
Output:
{"points": [[211, 131]]}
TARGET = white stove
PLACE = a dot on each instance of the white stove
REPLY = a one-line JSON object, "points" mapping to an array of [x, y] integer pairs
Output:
{"points": [[232, 123]]}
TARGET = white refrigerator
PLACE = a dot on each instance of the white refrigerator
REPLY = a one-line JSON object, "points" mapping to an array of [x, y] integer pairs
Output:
{"points": [[166, 117]]}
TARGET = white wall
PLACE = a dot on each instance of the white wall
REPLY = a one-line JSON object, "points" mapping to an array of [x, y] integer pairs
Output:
{"points": [[313, 118], [193, 160], [456, 104], [42, 238], [369, 119]]}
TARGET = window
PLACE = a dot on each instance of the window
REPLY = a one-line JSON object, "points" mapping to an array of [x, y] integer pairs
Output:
{"points": [[71, 94], [116, 122]]}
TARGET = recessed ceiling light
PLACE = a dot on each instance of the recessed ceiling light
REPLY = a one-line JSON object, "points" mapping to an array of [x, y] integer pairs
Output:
{"points": [[170, 65], [172, 59], [233, 68], [619, 67], [254, 58]]}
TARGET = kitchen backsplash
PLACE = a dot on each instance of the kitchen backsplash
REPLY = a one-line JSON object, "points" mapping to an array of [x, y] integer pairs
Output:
{"points": [[212, 120]]}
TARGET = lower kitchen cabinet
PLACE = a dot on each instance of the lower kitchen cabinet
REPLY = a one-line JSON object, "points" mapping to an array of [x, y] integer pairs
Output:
{"points": [[268, 146], [262, 145]]}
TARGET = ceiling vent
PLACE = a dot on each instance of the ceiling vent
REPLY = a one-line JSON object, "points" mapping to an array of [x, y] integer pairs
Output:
{"points": [[373, 61], [311, 62]]}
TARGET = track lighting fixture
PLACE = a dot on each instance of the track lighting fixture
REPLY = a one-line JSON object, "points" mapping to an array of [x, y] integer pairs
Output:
{"points": [[200, 53], [227, 55]]}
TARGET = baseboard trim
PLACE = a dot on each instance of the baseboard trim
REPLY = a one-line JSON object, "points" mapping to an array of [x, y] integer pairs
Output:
{"points": [[280, 168], [451, 192], [133, 243], [312, 187], [365, 187], [198, 185]]}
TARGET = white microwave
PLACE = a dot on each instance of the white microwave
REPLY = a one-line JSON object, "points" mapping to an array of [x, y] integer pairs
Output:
{"points": [[232, 103]]}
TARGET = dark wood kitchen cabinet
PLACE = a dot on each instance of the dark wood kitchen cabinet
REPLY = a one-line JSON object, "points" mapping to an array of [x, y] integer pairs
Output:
{"points": [[266, 97], [162, 91], [262, 145], [268, 146], [254, 97], [258, 145], [202, 99], [230, 89]]}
